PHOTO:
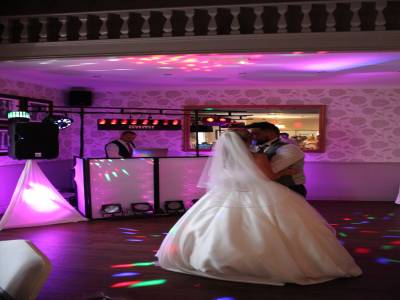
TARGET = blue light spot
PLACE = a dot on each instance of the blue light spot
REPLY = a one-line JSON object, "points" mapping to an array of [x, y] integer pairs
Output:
{"points": [[382, 260], [126, 274]]}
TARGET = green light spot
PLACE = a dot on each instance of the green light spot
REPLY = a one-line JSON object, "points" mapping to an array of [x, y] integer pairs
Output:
{"points": [[371, 218], [97, 164], [387, 247], [107, 177], [110, 160], [148, 283], [155, 235], [342, 234], [143, 264], [114, 173], [125, 172], [209, 108]]}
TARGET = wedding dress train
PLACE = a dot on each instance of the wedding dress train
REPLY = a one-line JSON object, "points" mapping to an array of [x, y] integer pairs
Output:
{"points": [[247, 228]]}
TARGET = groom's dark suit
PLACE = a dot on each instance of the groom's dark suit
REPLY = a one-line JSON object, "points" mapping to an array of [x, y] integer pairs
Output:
{"points": [[283, 155]]}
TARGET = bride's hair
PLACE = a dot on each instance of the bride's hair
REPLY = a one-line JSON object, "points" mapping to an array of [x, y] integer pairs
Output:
{"points": [[244, 135]]}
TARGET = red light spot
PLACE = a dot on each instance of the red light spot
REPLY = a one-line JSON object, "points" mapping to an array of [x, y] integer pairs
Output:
{"points": [[155, 122], [145, 122], [114, 121], [175, 122], [165, 122], [133, 122], [102, 121], [124, 121], [122, 266], [125, 283], [396, 243], [361, 250], [222, 119], [346, 219]]}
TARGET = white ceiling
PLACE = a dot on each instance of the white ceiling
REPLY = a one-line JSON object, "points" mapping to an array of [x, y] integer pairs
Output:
{"points": [[210, 70]]}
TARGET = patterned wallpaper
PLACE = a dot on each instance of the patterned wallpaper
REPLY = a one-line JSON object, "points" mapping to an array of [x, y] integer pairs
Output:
{"points": [[362, 124]]}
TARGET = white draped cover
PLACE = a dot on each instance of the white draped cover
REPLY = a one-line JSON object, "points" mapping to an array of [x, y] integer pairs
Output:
{"points": [[37, 202]]}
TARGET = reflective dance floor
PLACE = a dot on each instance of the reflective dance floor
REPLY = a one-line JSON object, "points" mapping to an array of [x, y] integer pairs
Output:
{"points": [[116, 258]]}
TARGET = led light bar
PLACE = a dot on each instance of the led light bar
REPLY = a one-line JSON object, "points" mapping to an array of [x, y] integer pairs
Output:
{"points": [[138, 124]]}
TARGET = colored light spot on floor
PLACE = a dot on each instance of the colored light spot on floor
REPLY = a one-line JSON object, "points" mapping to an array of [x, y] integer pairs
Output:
{"points": [[342, 234], [362, 250], [125, 274], [385, 261], [122, 266], [143, 264], [369, 231], [387, 247], [148, 283], [125, 283]]}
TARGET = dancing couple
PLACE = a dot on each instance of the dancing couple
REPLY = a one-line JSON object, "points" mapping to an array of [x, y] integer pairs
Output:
{"points": [[253, 224]]}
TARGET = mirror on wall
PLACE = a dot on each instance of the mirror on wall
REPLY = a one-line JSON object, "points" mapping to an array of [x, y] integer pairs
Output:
{"points": [[303, 125]]}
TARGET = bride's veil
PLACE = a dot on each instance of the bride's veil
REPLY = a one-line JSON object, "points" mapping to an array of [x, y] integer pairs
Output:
{"points": [[231, 166]]}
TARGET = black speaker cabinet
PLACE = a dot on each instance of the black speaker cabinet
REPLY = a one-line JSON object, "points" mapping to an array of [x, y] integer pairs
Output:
{"points": [[78, 97], [33, 141]]}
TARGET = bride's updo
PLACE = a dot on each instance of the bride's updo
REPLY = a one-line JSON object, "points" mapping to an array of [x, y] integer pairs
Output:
{"points": [[244, 134]]}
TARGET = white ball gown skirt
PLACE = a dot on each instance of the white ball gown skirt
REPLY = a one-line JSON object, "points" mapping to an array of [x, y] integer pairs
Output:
{"points": [[266, 235]]}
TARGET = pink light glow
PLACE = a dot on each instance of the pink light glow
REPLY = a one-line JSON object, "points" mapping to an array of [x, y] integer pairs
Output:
{"points": [[40, 198], [285, 69]]}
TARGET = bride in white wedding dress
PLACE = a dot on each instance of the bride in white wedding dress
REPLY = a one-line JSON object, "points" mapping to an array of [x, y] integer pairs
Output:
{"points": [[248, 228]]}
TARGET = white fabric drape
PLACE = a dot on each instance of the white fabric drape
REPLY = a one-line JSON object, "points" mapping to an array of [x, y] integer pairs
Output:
{"points": [[37, 202]]}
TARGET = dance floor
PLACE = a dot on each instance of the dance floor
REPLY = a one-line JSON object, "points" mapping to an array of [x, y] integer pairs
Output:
{"points": [[116, 258]]}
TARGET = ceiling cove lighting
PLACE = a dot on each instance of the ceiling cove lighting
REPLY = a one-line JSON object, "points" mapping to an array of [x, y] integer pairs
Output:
{"points": [[138, 124]]}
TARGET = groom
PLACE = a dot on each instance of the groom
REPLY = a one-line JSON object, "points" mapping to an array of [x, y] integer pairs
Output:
{"points": [[281, 155]]}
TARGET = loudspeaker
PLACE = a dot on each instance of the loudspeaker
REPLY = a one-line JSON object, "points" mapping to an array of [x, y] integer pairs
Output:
{"points": [[33, 141], [78, 97]]}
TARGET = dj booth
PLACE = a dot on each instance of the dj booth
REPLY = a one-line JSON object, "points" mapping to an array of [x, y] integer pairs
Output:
{"points": [[153, 180]]}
